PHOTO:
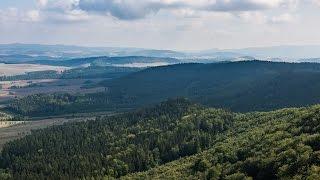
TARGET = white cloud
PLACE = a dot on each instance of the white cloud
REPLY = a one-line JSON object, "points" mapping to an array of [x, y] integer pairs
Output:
{"points": [[42, 3], [67, 16], [62, 11], [133, 9], [13, 15], [253, 17], [81, 10], [185, 23], [316, 2], [186, 13], [33, 16], [283, 18]]}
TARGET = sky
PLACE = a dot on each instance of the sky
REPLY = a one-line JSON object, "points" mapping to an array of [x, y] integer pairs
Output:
{"points": [[161, 24]]}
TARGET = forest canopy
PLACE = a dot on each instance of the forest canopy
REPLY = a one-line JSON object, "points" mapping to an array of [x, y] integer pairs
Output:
{"points": [[175, 139]]}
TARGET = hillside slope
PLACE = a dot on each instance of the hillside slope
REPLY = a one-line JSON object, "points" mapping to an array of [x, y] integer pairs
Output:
{"points": [[238, 86], [283, 144], [174, 140]]}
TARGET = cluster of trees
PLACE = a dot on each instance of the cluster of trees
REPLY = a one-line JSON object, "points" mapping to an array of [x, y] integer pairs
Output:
{"points": [[283, 144], [116, 146], [76, 73], [5, 116], [175, 139], [32, 75], [40, 105]]}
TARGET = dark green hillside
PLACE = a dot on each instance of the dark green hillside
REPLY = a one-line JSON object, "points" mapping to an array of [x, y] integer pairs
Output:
{"points": [[283, 144], [238, 86], [90, 72], [116, 146], [57, 104], [173, 140], [292, 89]]}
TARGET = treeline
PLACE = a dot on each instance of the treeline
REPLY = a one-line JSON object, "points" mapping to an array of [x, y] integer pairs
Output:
{"points": [[32, 75], [5, 116], [62, 103], [90, 72], [107, 61], [175, 140]]}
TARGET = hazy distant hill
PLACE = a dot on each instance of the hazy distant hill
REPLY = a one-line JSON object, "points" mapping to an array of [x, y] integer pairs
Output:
{"points": [[23, 52], [286, 52], [18, 58], [126, 61], [36, 51]]}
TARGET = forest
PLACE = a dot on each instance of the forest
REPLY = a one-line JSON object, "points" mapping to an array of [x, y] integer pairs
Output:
{"points": [[5, 117], [236, 86], [90, 72], [176, 139], [106, 61]]}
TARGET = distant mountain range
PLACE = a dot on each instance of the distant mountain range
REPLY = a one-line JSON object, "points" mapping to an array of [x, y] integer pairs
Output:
{"points": [[126, 61], [13, 53], [25, 52]]}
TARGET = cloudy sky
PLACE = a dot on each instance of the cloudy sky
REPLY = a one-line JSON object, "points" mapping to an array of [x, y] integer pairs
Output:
{"points": [[161, 24]]}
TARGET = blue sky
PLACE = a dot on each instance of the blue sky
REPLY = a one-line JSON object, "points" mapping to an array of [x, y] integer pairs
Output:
{"points": [[161, 24], [24, 4]]}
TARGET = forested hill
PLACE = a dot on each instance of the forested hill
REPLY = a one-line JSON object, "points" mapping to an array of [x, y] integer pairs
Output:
{"points": [[90, 72], [107, 61], [238, 86], [283, 144], [173, 140]]}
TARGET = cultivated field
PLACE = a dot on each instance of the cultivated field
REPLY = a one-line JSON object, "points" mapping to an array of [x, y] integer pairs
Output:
{"points": [[15, 69], [4, 117], [21, 88], [4, 124]]}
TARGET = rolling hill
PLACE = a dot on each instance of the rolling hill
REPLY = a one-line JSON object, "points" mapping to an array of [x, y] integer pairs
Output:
{"points": [[125, 61], [22, 52], [238, 86], [173, 140]]}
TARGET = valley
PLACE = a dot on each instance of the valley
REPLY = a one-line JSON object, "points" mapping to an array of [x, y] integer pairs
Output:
{"points": [[175, 139], [239, 86], [160, 118], [159, 90]]}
